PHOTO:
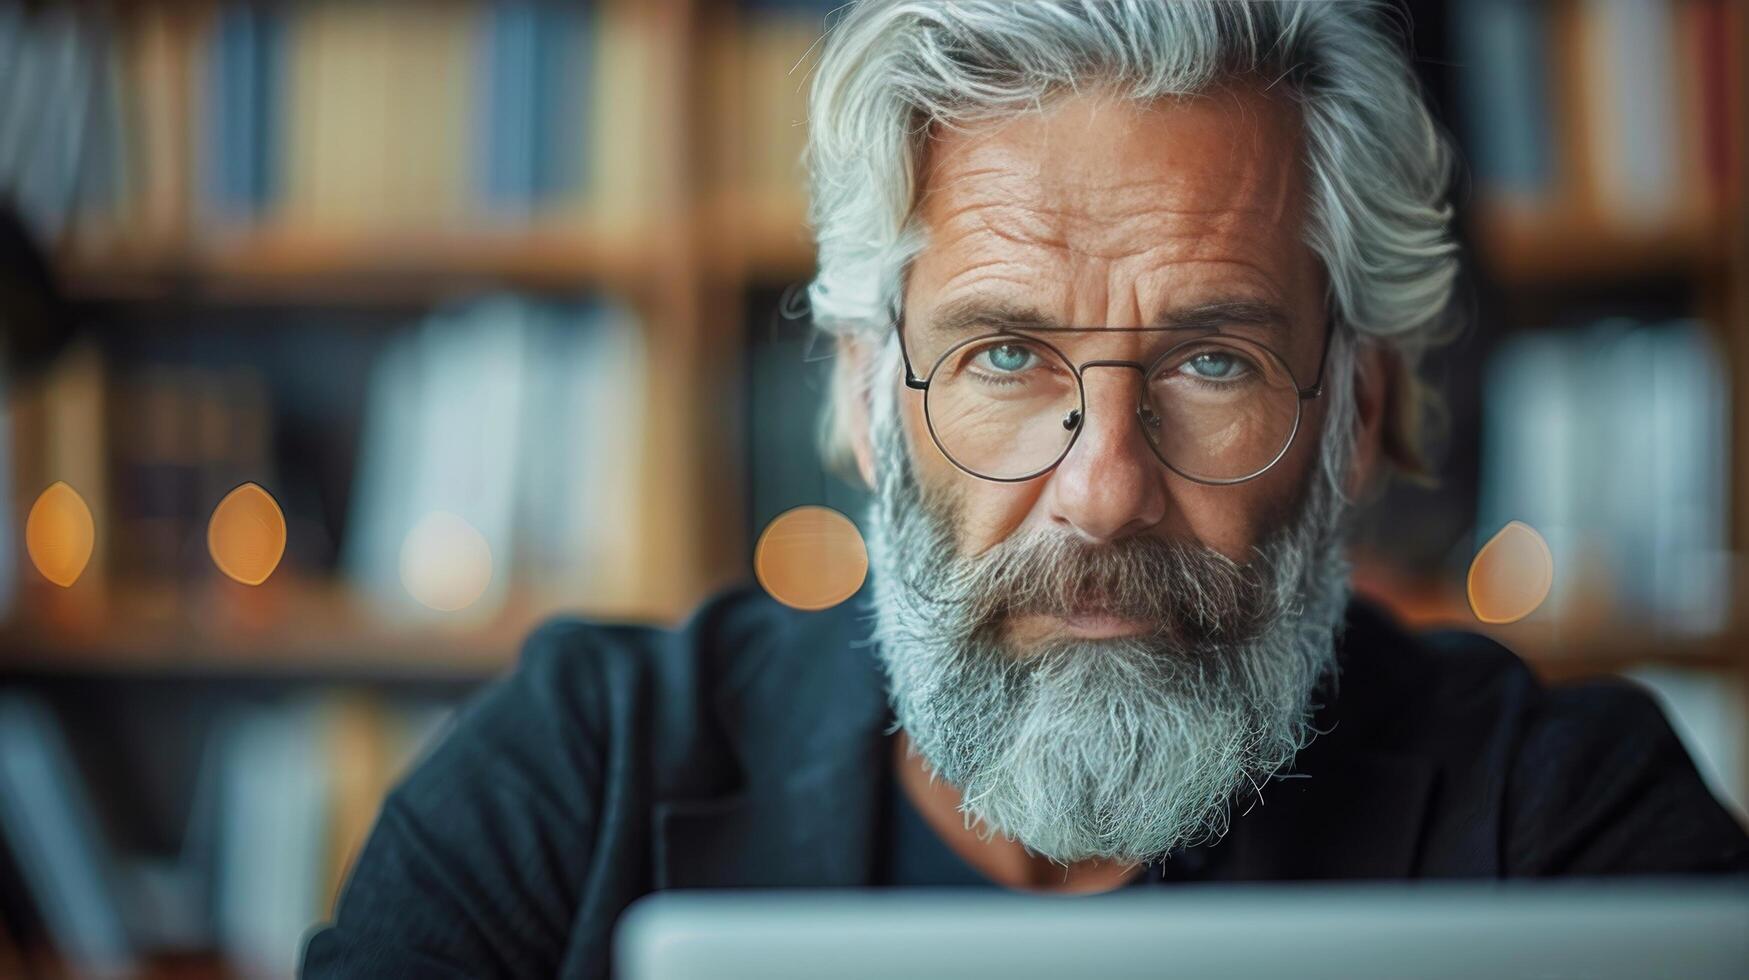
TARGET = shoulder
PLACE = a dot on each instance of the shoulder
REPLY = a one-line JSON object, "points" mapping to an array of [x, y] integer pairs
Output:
{"points": [[1443, 693], [481, 857], [1568, 778], [1600, 783], [709, 642], [714, 645], [603, 679], [589, 703]]}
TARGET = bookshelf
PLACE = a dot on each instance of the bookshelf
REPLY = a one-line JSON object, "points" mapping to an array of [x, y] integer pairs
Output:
{"points": [[316, 266], [1528, 249], [286, 627], [643, 239], [700, 236], [723, 215]]}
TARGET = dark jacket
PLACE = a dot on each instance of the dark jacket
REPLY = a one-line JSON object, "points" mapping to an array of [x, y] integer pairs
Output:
{"points": [[746, 749]]}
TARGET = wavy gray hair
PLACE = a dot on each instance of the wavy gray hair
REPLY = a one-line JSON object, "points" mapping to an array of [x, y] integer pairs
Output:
{"points": [[894, 71]]}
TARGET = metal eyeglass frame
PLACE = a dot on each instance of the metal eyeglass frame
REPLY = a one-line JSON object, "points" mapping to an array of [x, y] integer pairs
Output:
{"points": [[1073, 421]]}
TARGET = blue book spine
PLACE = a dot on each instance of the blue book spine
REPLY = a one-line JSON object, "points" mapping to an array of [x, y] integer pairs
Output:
{"points": [[511, 46], [269, 81], [243, 109], [536, 67], [566, 67], [1503, 78], [225, 96]]}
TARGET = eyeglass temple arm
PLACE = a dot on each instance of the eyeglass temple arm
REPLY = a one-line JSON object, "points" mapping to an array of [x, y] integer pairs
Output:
{"points": [[1317, 388], [911, 378]]}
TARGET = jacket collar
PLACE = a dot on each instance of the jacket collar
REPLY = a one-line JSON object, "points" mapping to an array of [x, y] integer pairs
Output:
{"points": [[806, 714]]}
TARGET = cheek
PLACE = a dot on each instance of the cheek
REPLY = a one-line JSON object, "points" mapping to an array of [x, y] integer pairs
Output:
{"points": [[986, 512], [1235, 519]]}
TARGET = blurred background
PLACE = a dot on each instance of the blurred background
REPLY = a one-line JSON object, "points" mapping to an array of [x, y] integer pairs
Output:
{"points": [[493, 301]]}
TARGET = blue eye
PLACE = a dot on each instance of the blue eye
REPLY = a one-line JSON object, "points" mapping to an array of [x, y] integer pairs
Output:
{"points": [[1215, 366], [1008, 358]]}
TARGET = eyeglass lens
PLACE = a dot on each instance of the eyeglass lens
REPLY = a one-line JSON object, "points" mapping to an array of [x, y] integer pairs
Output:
{"points": [[1216, 409]]}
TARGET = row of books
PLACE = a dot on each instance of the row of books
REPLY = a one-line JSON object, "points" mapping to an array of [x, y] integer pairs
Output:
{"points": [[283, 796], [522, 419], [150, 450], [360, 116], [1627, 111], [1613, 441], [519, 417], [162, 117], [56, 153]]}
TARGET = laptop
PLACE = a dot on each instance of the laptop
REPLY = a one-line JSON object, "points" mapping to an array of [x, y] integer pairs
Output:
{"points": [[1570, 929]]}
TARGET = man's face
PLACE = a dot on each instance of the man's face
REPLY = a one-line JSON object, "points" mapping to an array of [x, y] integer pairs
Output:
{"points": [[1099, 657], [1107, 213]]}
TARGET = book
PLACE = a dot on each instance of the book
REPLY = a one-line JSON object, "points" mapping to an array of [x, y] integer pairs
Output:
{"points": [[341, 116], [242, 126], [51, 830], [164, 63], [532, 119], [621, 157], [274, 803], [780, 39], [425, 141], [505, 413], [1610, 441], [581, 510], [51, 130], [1502, 51], [1630, 102], [440, 438]]}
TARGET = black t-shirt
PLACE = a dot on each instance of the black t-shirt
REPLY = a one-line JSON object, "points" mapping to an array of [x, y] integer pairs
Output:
{"points": [[747, 750]]}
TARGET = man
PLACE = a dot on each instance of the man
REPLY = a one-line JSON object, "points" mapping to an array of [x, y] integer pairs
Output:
{"points": [[1129, 299]]}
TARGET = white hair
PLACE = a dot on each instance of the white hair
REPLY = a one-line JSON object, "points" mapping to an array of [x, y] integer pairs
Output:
{"points": [[894, 71]]}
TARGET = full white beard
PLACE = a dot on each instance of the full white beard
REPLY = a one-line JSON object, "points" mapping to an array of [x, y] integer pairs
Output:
{"points": [[1123, 749]]}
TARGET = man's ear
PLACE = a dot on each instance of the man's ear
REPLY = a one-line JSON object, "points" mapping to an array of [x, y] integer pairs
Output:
{"points": [[854, 356], [1372, 395]]}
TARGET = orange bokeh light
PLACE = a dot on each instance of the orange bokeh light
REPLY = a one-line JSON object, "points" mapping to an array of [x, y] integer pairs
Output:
{"points": [[246, 535], [810, 558], [60, 535], [1511, 575]]}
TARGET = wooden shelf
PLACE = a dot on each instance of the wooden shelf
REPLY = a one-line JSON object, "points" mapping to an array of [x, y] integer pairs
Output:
{"points": [[1523, 246], [761, 236], [279, 629], [300, 264], [752, 238], [326, 630], [1591, 640]]}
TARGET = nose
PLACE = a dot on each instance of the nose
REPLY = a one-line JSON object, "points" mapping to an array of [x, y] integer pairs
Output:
{"points": [[1111, 485]]}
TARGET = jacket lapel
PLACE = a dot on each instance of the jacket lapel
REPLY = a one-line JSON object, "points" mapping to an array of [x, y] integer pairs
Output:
{"points": [[805, 715], [1356, 802], [1364, 819]]}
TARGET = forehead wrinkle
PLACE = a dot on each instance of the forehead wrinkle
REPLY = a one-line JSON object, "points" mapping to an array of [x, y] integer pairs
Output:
{"points": [[1112, 230], [1128, 234], [1014, 189], [987, 275], [1110, 240]]}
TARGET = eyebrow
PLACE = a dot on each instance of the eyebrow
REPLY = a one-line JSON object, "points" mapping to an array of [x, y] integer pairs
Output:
{"points": [[973, 312]]}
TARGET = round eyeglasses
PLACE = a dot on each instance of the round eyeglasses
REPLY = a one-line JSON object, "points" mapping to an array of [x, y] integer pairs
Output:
{"points": [[1215, 408]]}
